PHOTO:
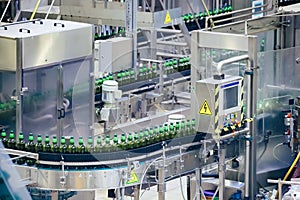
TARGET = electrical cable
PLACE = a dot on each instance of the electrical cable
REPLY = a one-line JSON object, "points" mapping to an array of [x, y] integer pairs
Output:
{"points": [[144, 174], [263, 152], [5, 10], [52, 3], [181, 189], [274, 155], [35, 9]]}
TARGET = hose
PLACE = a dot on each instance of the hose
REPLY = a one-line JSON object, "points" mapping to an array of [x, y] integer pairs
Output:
{"points": [[290, 170], [35, 9]]}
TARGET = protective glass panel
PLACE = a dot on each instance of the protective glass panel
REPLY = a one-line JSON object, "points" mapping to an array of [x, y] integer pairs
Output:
{"points": [[7, 104], [40, 101], [279, 81], [77, 98], [211, 57]]}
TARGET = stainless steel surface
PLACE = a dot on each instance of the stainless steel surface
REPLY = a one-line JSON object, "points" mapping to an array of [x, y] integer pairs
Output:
{"points": [[39, 47], [222, 40], [113, 55], [8, 61]]}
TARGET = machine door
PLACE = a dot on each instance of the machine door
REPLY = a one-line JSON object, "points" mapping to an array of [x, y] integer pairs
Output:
{"points": [[77, 98], [40, 101]]}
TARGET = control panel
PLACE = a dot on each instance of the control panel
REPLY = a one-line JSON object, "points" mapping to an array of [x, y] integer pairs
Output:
{"points": [[219, 100]]}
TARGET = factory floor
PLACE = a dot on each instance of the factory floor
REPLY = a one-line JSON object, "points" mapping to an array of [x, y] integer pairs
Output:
{"points": [[173, 192]]}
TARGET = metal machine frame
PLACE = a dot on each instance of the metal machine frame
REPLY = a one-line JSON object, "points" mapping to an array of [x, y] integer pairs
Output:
{"points": [[245, 43]]}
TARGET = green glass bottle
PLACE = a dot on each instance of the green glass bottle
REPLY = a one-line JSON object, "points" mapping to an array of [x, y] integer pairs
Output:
{"points": [[188, 127], [115, 143], [129, 144], [47, 146], [21, 147], [136, 142], [166, 132], [145, 70], [55, 146], [107, 146], [31, 148], [175, 65], [122, 145], [39, 145], [142, 139], [63, 146], [81, 148], [147, 137], [171, 130], [193, 126], [98, 147], [141, 74], [151, 136], [119, 78], [132, 76], [156, 134], [154, 70], [4, 138], [161, 133], [11, 142], [72, 148], [127, 77], [90, 146], [177, 129], [182, 129]]}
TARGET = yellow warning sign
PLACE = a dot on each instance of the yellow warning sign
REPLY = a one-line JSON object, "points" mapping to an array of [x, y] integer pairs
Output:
{"points": [[133, 179], [168, 18], [205, 110]]}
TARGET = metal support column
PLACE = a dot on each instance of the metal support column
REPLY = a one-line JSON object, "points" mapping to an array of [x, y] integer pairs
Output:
{"points": [[131, 27], [161, 186], [252, 92], [221, 169], [136, 192], [19, 87]]}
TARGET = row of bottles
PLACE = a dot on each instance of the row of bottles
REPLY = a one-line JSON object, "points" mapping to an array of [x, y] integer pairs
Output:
{"points": [[109, 33], [287, 2], [9, 105], [200, 17], [177, 65], [128, 141], [145, 71]]}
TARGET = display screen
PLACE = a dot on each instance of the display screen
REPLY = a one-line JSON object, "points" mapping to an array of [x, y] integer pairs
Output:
{"points": [[230, 97]]}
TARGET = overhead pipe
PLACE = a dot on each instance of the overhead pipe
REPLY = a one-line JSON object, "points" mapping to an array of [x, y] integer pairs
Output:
{"points": [[229, 61]]}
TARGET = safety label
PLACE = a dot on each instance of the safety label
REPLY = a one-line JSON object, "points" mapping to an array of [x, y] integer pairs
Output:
{"points": [[168, 18], [205, 109], [133, 179]]}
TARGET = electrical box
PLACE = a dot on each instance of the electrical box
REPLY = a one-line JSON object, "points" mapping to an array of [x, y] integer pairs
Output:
{"points": [[219, 103], [113, 55]]}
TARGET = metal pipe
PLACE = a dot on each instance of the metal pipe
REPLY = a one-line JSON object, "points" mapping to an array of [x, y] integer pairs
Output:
{"points": [[5, 10], [235, 12], [170, 55], [183, 44], [234, 134], [230, 60], [163, 30]]}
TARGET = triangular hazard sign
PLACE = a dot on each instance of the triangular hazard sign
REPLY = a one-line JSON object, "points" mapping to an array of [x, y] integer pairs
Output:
{"points": [[205, 109], [168, 18], [133, 179]]}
